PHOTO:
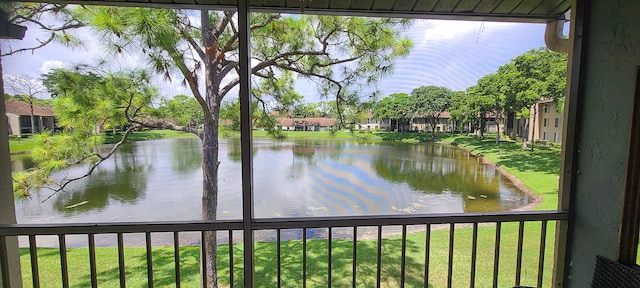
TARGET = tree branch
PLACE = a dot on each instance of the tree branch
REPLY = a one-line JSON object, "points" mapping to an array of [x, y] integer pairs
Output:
{"points": [[190, 78], [93, 167], [222, 25], [162, 124], [192, 43], [42, 44], [228, 46], [32, 13]]}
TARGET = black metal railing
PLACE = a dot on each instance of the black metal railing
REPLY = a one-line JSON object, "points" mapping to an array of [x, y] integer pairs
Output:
{"points": [[384, 251]]}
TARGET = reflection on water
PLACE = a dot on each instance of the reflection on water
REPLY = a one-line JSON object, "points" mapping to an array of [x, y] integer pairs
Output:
{"points": [[161, 180], [21, 162], [329, 178], [438, 169]]}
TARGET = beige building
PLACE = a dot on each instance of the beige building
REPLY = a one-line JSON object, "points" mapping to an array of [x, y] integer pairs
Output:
{"points": [[546, 122], [19, 117], [443, 123], [306, 124], [371, 123]]}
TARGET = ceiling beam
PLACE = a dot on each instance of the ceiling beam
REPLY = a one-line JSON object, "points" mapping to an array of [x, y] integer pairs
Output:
{"points": [[226, 5]]}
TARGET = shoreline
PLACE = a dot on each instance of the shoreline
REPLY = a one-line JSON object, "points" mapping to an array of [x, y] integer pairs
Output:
{"points": [[536, 199]]}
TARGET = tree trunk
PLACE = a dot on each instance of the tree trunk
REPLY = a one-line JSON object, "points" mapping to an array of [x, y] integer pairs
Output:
{"points": [[33, 122], [524, 132], [433, 128], [210, 166], [497, 130], [210, 151], [533, 126]]}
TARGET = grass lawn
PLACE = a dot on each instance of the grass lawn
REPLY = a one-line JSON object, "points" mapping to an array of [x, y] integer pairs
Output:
{"points": [[24, 145], [21, 145], [265, 259], [147, 135], [539, 171]]}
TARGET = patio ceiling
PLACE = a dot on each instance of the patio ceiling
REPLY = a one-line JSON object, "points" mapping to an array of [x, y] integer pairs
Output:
{"points": [[494, 10]]}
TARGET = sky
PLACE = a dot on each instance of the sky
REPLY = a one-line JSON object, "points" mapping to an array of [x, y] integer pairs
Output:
{"points": [[453, 54]]}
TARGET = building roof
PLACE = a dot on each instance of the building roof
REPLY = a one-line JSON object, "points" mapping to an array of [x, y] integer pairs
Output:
{"points": [[494, 10], [322, 122], [23, 109], [226, 122], [547, 100]]}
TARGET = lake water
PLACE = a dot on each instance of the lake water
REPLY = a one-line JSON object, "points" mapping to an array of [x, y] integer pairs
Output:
{"points": [[162, 180]]}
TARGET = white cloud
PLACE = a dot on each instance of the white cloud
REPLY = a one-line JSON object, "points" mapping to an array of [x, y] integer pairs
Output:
{"points": [[443, 30], [51, 64]]}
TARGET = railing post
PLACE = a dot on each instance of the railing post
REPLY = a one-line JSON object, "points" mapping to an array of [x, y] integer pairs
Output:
{"points": [[4, 263], [570, 138], [10, 253], [244, 64]]}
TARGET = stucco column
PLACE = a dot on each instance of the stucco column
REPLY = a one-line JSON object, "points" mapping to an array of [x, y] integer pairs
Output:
{"points": [[606, 89], [7, 204]]}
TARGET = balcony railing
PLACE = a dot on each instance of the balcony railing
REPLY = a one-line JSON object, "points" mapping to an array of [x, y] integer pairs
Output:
{"points": [[491, 249]]}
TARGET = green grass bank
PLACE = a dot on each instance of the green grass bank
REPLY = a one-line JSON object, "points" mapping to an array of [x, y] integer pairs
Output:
{"points": [[539, 169], [25, 145]]}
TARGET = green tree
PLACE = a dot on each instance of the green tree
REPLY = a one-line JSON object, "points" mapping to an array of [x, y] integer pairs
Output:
{"points": [[534, 75], [280, 89], [306, 110], [430, 102], [517, 85], [282, 46], [461, 113], [84, 102], [489, 99], [479, 105], [184, 109], [398, 107], [328, 109], [230, 111]]}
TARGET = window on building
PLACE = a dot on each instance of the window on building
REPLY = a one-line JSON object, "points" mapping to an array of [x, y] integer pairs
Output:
{"points": [[555, 137], [25, 124], [545, 108], [546, 122], [557, 122], [544, 135]]}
